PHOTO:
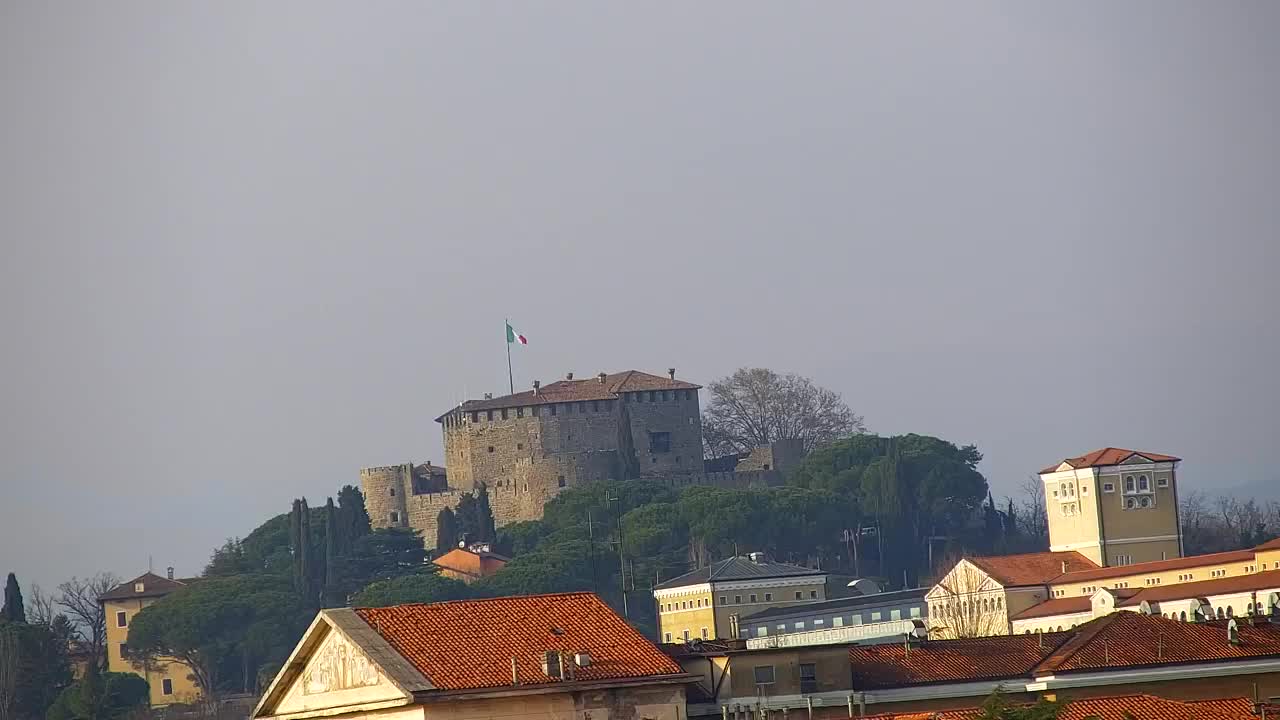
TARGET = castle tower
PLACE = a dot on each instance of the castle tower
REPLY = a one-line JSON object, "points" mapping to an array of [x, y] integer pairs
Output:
{"points": [[1114, 506]]}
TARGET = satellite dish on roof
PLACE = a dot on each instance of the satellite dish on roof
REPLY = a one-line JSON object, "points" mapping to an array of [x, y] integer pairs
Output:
{"points": [[1144, 607], [1201, 610], [1233, 632], [918, 629]]}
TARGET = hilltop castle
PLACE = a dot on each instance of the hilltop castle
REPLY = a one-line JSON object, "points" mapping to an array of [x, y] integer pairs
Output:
{"points": [[526, 447]]}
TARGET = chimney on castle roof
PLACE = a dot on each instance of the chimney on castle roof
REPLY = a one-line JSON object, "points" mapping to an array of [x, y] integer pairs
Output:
{"points": [[671, 373], [488, 396], [601, 377], [568, 376], [536, 384]]}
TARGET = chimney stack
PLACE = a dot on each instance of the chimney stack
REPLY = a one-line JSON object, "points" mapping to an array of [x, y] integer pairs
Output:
{"points": [[671, 372], [601, 377], [488, 396], [536, 384], [568, 376], [169, 572], [1064, 567]]}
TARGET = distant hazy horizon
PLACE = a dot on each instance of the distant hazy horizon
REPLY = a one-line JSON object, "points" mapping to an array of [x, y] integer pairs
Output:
{"points": [[250, 248]]}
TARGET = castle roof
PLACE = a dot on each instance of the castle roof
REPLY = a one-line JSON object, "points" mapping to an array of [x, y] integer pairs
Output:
{"points": [[610, 387], [1108, 456], [738, 568]]}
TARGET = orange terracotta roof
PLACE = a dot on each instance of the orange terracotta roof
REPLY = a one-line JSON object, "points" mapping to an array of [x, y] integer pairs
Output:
{"points": [[469, 644], [469, 562], [1057, 606], [1154, 566], [1108, 456], [1129, 639], [1031, 568], [1116, 707], [943, 661], [1269, 545], [578, 390], [1268, 580]]}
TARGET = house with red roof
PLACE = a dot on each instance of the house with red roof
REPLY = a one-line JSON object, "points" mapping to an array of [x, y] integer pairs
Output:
{"points": [[534, 657]]}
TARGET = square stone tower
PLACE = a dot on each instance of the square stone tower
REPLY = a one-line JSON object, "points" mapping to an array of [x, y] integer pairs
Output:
{"points": [[1114, 506]]}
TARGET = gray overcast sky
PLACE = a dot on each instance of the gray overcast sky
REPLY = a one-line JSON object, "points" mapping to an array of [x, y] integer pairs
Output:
{"points": [[249, 248]]}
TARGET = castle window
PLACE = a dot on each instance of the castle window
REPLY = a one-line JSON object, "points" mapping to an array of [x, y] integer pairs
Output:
{"points": [[489, 415], [519, 446], [504, 413], [490, 448], [560, 481], [393, 492], [519, 412], [659, 442], [475, 416], [394, 516]]}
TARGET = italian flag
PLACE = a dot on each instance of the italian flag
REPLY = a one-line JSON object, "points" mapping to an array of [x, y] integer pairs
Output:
{"points": [[515, 337]]}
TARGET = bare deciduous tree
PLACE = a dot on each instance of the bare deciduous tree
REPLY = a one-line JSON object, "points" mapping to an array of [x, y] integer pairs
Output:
{"points": [[80, 598], [756, 406], [1034, 523], [40, 606], [967, 603]]}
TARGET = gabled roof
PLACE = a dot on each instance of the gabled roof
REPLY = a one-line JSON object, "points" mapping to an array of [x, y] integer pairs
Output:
{"points": [[1115, 707], [152, 586], [738, 568], [1107, 456], [1154, 566], [1057, 606], [1031, 568], [469, 644], [950, 661], [578, 390], [1269, 580], [1129, 639], [1116, 641]]}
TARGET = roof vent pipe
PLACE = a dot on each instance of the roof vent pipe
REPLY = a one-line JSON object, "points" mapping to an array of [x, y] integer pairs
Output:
{"points": [[568, 376], [671, 373], [536, 384], [601, 377]]}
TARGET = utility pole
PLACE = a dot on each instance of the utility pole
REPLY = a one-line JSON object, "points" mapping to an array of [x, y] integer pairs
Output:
{"points": [[622, 562]]}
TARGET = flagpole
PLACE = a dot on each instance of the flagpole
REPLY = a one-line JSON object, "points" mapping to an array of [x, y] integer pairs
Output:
{"points": [[510, 378]]}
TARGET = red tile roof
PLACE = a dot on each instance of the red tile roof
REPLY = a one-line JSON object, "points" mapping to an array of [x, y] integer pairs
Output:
{"points": [[943, 661], [1057, 606], [1269, 580], [578, 390], [1195, 561], [1108, 456], [1117, 707], [472, 563], [1128, 639], [469, 644], [1119, 640], [1269, 545], [1031, 568]]}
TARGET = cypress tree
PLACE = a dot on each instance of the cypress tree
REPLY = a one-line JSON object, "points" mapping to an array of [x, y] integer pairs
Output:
{"points": [[484, 523], [331, 531], [13, 610], [295, 545], [306, 560], [446, 531]]}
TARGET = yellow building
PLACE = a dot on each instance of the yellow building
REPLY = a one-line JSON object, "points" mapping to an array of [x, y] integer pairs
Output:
{"points": [[539, 657], [1114, 506], [708, 602], [170, 681]]}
